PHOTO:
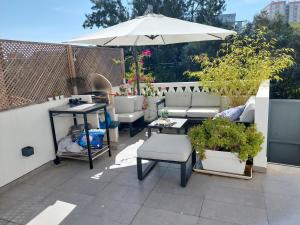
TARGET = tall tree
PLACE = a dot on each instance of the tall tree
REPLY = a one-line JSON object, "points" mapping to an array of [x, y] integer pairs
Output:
{"points": [[106, 13]]}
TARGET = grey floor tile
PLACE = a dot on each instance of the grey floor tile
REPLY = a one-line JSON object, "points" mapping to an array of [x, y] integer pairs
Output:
{"points": [[149, 216], [170, 183], [6, 204], [82, 186], [3, 222], [88, 220], [130, 178], [280, 219], [124, 193], [26, 192], [234, 213], [282, 209], [276, 187], [183, 204], [254, 184], [24, 212], [101, 175], [237, 196], [118, 212], [79, 200], [204, 221]]}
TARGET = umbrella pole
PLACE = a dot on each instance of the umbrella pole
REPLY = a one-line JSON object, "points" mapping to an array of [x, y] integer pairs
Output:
{"points": [[137, 71]]}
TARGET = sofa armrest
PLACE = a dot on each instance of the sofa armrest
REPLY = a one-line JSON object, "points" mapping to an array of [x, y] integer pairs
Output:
{"points": [[160, 103]]}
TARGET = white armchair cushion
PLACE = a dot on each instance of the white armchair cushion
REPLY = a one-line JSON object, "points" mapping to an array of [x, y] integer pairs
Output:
{"points": [[202, 99], [130, 117], [124, 104], [249, 111], [179, 99], [175, 111], [204, 112], [166, 147]]}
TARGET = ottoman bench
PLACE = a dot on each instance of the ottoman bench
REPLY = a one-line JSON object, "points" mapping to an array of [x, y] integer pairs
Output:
{"points": [[167, 148]]}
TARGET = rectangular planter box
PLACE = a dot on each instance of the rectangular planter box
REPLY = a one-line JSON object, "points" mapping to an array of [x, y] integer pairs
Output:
{"points": [[223, 162]]}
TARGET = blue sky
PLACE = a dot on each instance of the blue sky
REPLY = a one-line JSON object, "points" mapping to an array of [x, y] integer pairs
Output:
{"points": [[60, 20]]}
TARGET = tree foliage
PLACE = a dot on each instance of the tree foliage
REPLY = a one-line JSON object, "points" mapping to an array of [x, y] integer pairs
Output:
{"points": [[241, 65]]}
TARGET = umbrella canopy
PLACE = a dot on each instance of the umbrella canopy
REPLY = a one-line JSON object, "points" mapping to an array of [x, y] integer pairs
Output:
{"points": [[153, 29]]}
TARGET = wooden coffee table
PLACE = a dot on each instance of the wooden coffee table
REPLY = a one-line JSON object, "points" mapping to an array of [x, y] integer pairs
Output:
{"points": [[177, 125]]}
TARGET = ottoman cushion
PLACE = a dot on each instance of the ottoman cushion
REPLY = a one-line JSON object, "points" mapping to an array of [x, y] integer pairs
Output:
{"points": [[166, 147]]}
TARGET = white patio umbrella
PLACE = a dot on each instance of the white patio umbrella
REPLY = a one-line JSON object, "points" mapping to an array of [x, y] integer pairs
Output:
{"points": [[152, 29]]}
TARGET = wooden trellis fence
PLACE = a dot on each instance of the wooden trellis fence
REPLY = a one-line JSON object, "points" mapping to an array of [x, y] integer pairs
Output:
{"points": [[30, 71]]}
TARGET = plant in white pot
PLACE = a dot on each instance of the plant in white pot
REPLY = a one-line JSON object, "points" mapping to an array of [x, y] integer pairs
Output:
{"points": [[225, 146]]}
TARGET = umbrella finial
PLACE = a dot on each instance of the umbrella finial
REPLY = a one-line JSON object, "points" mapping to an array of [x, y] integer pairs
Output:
{"points": [[149, 9]]}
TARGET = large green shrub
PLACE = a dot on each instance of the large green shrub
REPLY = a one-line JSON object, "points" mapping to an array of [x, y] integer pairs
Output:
{"points": [[221, 134], [241, 66]]}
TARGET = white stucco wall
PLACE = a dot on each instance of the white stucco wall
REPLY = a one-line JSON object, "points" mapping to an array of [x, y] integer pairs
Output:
{"points": [[261, 121], [27, 126]]}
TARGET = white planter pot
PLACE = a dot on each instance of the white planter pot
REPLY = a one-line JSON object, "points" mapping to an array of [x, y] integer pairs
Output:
{"points": [[50, 99], [56, 97], [61, 97], [223, 162]]}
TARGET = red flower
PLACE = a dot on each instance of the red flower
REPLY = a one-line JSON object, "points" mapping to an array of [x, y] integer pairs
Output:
{"points": [[146, 52]]}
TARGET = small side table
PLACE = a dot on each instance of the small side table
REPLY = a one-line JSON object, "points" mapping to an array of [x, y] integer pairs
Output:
{"points": [[179, 124], [75, 111]]}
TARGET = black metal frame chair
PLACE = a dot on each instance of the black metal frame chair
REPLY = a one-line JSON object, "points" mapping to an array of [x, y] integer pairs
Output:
{"points": [[185, 170]]}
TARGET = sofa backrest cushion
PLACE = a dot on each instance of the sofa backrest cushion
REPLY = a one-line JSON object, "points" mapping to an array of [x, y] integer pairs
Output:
{"points": [[124, 104], [249, 111], [202, 99], [179, 99], [139, 102]]}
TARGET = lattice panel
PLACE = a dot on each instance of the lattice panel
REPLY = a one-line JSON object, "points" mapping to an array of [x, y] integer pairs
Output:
{"points": [[31, 72], [99, 60]]}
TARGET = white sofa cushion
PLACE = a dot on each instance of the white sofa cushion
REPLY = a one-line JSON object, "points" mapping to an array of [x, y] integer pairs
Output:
{"points": [[249, 111], [124, 104], [130, 117], [202, 99], [203, 112], [175, 111], [179, 99], [166, 147]]}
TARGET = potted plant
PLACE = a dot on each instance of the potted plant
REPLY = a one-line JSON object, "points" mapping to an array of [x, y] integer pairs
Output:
{"points": [[56, 95], [50, 98], [225, 146]]}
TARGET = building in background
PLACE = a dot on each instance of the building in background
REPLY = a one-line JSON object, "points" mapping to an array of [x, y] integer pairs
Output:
{"points": [[230, 20], [290, 10], [294, 11]]}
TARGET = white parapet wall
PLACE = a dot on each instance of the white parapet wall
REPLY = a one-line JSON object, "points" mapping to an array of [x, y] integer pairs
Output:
{"points": [[28, 126], [262, 121]]}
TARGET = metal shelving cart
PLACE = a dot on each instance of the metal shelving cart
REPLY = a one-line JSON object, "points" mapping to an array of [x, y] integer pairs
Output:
{"points": [[88, 154]]}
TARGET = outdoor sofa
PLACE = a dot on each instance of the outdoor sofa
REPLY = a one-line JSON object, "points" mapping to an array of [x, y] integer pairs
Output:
{"points": [[196, 105]]}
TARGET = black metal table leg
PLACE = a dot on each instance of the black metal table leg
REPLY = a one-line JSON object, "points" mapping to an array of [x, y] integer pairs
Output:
{"points": [[149, 132], [75, 119], [56, 160], [107, 131], [87, 134]]}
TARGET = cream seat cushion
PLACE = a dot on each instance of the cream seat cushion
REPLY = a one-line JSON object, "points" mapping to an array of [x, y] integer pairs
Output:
{"points": [[203, 111], [166, 147], [175, 111], [130, 117]]}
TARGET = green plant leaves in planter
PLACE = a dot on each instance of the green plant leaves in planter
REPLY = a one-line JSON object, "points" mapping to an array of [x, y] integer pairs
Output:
{"points": [[221, 134]]}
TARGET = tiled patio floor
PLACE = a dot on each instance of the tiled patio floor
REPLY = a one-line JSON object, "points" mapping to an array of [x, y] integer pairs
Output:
{"points": [[111, 195]]}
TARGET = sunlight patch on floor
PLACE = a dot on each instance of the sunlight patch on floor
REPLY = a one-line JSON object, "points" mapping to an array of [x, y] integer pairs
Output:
{"points": [[54, 214]]}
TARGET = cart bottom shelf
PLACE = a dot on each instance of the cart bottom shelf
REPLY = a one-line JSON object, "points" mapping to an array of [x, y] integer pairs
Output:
{"points": [[84, 155]]}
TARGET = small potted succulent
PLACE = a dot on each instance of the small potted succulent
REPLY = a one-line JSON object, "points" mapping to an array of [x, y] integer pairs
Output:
{"points": [[225, 146], [50, 98], [56, 95]]}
